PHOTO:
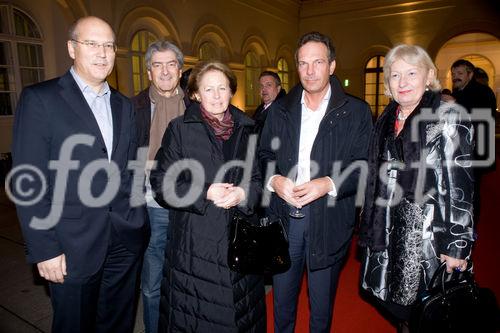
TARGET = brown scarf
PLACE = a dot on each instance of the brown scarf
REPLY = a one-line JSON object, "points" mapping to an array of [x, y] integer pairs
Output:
{"points": [[166, 109], [223, 128]]}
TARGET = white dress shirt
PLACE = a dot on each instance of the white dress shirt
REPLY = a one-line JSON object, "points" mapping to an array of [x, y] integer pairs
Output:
{"points": [[310, 121]]}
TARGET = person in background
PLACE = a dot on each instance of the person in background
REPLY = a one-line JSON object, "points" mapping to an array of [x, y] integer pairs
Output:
{"points": [[405, 234], [481, 76], [199, 291], [447, 96], [479, 100], [185, 79], [155, 107], [468, 92], [270, 90]]}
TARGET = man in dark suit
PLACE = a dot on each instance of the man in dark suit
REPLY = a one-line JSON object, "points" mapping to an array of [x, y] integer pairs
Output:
{"points": [[270, 90], [477, 98], [82, 231], [467, 91], [315, 128]]}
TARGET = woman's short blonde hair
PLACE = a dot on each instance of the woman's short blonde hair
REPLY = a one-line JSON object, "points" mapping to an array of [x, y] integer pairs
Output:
{"points": [[414, 55], [202, 68]]}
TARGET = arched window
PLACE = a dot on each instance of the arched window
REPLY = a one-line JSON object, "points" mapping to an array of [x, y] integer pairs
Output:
{"points": [[140, 43], [374, 85], [208, 51], [21, 56], [283, 73], [252, 72]]}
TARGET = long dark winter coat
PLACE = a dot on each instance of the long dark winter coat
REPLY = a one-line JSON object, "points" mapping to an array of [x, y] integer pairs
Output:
{"points": [[199, 292]]}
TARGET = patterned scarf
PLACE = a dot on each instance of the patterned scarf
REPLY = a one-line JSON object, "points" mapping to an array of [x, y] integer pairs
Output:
{"points": [[223, 129], [166, 109]]}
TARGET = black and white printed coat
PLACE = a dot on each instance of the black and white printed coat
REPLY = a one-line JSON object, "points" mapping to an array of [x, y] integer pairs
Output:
{"points": [[438, 138]]}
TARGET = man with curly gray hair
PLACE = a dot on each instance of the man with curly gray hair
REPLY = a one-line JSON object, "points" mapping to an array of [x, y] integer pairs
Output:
{"points": [[155, 106]]}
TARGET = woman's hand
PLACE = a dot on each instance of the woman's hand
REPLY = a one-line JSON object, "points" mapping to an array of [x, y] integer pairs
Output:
{"points": [[233, 197], [453, 263], [217, 191]]}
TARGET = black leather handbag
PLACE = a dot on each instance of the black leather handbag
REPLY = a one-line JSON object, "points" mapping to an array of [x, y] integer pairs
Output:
{"points": [[258, 246], [456, 304]]}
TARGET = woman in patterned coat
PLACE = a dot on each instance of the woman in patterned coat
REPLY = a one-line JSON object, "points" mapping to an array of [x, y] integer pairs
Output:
{"points": [[418, 209]]}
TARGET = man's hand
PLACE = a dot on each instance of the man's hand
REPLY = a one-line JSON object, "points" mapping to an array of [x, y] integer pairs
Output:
{"points": [[312, 190], [284, 189], [54, 269]]}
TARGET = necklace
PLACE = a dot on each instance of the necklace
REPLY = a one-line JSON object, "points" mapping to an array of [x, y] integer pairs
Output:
{"points": [[402, 116]]}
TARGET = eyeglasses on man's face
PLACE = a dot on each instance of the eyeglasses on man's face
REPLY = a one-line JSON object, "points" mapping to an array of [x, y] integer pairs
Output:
{"points": [[93, 45]]}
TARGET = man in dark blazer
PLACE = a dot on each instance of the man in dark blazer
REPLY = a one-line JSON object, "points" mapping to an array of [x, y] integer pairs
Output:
{"points": [[479, 99], [467, 91], [82, 231], [270, 90], [314, 129]]}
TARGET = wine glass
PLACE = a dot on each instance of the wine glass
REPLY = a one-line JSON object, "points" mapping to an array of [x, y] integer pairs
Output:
{"points": [[295, 211]]}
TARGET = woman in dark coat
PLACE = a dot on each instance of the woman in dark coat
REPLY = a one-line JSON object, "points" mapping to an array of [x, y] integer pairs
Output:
{"points": [[199, 291], [418, 209]]}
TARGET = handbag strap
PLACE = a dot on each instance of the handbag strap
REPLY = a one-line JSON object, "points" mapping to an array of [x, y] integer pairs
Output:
{"points": [[440, 275], [282, 227], [266, 221], [236, 220], [237, 217], [285, 232]]}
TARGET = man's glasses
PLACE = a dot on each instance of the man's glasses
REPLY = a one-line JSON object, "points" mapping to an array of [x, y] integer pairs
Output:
{"points": [[92, 44]]}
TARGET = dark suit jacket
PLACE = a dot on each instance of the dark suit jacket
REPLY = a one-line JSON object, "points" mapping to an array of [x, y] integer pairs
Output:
{"points": [[260, 113], [476, 95], [142, 107], [342, 138], [47, 115], [480, 96]]}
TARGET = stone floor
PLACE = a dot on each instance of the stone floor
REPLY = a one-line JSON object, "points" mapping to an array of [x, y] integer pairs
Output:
{"points": [[24, 302]]}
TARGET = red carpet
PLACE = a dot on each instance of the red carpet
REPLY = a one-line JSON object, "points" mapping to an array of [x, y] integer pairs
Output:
{"points": [[353, 315]]}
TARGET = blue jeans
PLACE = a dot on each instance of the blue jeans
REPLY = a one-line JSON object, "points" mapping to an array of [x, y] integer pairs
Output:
{"points": [[152, 268], [322, 284]]}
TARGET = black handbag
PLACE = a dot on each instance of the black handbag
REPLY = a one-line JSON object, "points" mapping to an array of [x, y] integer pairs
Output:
{"points": [[456, 304], [258, 246]]}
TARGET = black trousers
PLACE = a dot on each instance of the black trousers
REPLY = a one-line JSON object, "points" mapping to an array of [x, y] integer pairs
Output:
{"points": [[103, 302]]}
